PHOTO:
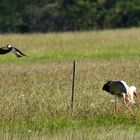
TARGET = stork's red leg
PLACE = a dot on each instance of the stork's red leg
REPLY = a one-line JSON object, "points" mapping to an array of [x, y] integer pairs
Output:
{"points": [[116, 108], [126, 105], [137, 98]]}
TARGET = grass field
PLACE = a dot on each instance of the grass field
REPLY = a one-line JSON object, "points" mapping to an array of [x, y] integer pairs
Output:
{"points": [[35, 91]]}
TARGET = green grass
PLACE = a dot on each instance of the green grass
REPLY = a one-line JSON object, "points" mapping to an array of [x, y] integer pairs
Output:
{"points": [[35, 91], [89, 133], [77, 45]]}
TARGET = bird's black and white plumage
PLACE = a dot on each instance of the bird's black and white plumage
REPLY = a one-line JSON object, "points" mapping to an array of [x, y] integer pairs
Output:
{"points": [[9, 48], [121, 90]]}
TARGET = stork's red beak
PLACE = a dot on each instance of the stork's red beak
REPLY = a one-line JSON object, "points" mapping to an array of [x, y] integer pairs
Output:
{"points": [[137, 98]]}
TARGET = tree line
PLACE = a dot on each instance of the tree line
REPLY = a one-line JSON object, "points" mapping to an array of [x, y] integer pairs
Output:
{"points": [[67, 15]]}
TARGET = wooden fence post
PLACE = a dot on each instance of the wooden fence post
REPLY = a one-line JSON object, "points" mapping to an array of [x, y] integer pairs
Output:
{"points": [[73, 86]]}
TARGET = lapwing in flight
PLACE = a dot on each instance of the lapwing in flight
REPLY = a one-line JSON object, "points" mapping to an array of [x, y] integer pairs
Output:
{"points": [[9, 48]]}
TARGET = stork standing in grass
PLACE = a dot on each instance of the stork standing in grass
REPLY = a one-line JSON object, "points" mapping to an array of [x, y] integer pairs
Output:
{"points": [[122, 91]]}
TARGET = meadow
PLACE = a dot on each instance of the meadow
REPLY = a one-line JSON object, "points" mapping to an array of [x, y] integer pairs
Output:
{"points": [[35, 91]]}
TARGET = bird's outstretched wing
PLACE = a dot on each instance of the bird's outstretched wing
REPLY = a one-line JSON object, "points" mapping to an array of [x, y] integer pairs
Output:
{"points": [[17, 52]]}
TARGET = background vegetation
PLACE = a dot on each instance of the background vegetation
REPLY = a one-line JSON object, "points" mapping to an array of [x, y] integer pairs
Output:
{"points": [[35, 91], [65, 15]]}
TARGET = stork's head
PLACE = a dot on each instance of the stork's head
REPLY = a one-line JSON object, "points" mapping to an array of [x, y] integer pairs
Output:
{"points": [[9, 46]]}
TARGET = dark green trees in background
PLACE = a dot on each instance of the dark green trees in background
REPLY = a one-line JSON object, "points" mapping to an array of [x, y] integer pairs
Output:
{"points": [[65, 15]]}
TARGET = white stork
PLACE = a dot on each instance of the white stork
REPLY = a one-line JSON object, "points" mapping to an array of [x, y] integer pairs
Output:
{"points": [[122, 91]]}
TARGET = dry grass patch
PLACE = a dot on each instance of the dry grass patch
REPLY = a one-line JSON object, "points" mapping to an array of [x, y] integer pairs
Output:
{"points": [[43, 90]]}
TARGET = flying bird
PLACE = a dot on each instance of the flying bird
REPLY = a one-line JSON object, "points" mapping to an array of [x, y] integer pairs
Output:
{"points": [[122, 91], [9, 48]]}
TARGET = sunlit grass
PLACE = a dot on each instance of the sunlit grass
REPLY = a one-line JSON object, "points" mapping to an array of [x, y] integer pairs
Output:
{"points": [[90, 133], [35, 91], [33, 94], [74, 45]]}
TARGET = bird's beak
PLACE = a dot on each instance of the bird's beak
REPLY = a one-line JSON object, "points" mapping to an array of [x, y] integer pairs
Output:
{"points": [[137, 98]]}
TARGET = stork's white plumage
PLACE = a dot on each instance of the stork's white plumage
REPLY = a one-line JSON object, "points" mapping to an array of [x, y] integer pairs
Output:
{"points": [[131, 92], [122, 91]]}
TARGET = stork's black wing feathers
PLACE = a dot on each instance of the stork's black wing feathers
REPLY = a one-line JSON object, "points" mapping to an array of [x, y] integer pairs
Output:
{"points": [[120, 86], [115, 87]]}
